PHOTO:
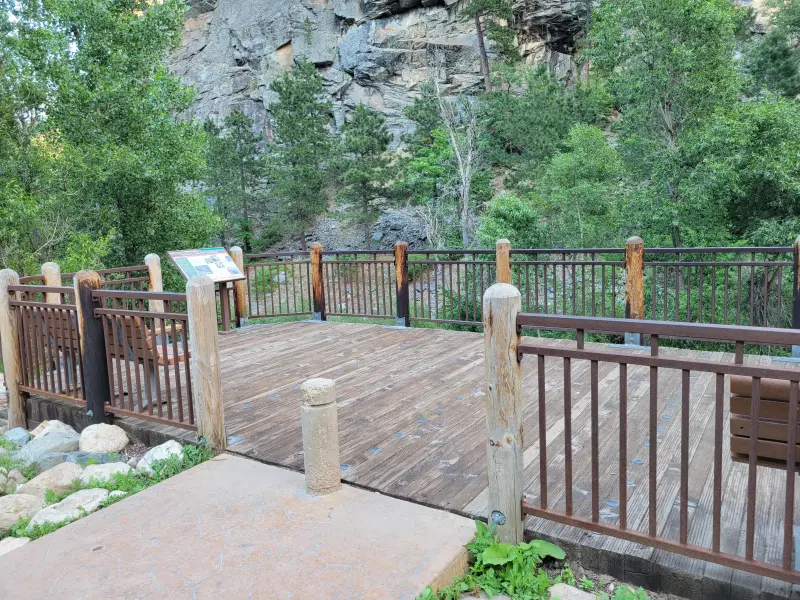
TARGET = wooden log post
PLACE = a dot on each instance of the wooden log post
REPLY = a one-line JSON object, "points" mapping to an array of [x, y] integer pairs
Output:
{"points": [[796, 294], [93, 347], [51, 276], [634, 285], [317, 283], [320, 437], [403, 318], [239, 289], [201, 306], [156, 282], [501, 304], [503, 261], [9, 347]]}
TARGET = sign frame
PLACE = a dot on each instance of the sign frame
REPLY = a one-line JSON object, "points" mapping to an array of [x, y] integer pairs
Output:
{"points": [[223, 260]]}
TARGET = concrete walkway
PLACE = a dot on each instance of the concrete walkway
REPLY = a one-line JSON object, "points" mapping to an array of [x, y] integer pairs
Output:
{"points": [[234, 528]]}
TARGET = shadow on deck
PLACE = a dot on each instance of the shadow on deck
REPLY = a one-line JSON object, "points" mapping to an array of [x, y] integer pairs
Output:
{"points": [[412, 425]]}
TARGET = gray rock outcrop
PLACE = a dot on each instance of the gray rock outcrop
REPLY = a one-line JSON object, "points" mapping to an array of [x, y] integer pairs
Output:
{"points": [[378, 52]]}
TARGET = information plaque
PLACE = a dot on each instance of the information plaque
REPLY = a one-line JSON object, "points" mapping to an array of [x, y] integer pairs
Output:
{"points": [[214, 263]]}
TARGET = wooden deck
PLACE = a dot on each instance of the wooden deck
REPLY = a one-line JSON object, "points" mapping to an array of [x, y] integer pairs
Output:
{"points": [[412, 425]]}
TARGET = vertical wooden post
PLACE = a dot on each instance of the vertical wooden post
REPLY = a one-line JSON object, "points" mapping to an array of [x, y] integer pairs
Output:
{"points": [[156, 283], [225, 305], [51, 276], [634, 285], [239, 289], [9, 347], [201, 306], [403, 318], [796, 294], [93, 347], [317, 282], [501, 304], [503, 261]]}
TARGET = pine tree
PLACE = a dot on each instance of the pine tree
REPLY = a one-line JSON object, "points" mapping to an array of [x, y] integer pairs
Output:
{"points": [[775, 65], [235, 172], [489, 16], [303, 145], [367, 168]]}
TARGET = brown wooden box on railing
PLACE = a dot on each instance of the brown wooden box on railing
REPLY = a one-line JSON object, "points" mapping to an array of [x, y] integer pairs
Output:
{"points": [[773, 422]]}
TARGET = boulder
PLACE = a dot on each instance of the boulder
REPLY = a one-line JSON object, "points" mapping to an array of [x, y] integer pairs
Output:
{"points": [[71, 508], [58, 479], [49, 460], [12, 543], [95, 458], [117, 494], [39, 428], [133, 461], [13, 479], [18, 436], [103, 438], [57, 441], [16, 507], [162, 452], [562, 591], [3, 481], [53, 427], [103, 472]]}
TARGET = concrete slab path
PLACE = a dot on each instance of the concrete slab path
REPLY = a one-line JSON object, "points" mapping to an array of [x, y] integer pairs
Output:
{"points": [[233, 528]]}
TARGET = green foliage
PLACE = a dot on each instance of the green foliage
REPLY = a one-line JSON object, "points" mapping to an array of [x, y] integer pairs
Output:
{"points": [[91, 140], [234, 177], [366, 169], [580, 192], [303, 146], [508, 216], [495, 16], [528, 121], [774, 65]]}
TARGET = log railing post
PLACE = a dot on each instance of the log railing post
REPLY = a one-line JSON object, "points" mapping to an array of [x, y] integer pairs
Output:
{"points": [[403, 317], [501, 304], [156, 282], [201, 306], [503, 261], [9, 347], [796, 294], [320, 437], [93, 347], [634, 285], [317, 282], [239, 289], [51, 276]]}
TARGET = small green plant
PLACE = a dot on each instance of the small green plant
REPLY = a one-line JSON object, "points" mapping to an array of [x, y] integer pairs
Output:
{"points": [[624, 593], [586, 584]]}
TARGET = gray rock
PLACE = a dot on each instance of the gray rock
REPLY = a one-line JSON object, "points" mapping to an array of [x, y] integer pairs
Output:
{"points": [[57, 441], [13, 480], [117, 494], [162, 452], [12, 543], [16, 507], [53, 427], [72, 507], [19, 436], [103, 472], [103, 438], [84, 458], [133, 461], [59, 479], [50, 460], [562, 591]]}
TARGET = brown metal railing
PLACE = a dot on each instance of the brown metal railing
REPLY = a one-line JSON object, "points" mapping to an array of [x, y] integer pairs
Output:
{"points": [[49, 342], [133, 278], [656, 362], [278, 284], [359, 284], [147, 354], [735, 286]]}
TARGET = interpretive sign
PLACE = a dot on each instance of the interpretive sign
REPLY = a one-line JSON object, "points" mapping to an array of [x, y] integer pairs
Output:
{"points": [[214, 263]]}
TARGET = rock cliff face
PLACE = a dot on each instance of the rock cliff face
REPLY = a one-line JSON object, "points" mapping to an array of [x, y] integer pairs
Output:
{"points": [[377, 52]]}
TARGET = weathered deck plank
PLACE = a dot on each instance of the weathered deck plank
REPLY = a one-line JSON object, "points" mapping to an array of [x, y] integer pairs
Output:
{"points": [[412, 424]]}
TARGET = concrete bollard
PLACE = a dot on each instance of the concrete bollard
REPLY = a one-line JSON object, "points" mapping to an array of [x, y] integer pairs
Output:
{"points": [[320, 436]]}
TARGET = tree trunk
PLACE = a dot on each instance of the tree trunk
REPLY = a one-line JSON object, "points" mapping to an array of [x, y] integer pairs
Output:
{"points": [[482, 50]]}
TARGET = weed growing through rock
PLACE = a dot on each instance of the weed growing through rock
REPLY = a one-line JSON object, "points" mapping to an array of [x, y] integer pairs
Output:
{"points": [[498, 568]]}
